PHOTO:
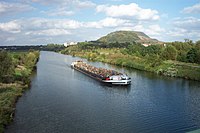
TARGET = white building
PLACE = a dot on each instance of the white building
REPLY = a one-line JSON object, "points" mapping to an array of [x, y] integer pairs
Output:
{"points": [[146, 44], [66, 44]]}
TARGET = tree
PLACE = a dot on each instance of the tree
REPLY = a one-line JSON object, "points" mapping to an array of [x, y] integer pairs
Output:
{"points": [[198, 56], [188, 41], [169, 53], [182, 56], [6, 67], [136, 49], [153, 49], [192, 55], [30, 59], [198, 44]]}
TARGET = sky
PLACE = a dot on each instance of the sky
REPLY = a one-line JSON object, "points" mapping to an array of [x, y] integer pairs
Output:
{"points": [[39, 22]]}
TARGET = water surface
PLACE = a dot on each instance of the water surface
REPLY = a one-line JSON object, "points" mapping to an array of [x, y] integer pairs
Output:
{"points": [[63, 100]]}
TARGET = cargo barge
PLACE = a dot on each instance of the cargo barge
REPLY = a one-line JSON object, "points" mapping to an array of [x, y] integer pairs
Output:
{"points": [[102, 74]]}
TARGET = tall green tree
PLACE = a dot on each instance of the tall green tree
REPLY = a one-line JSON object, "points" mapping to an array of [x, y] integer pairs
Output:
{"points": [[192, 55], [6, 67], [169, 53], [198, 56], [136, 49], [198, 44], [153, 49]]}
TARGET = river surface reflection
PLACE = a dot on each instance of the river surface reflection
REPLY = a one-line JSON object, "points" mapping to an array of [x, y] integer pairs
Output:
{"points": [[63, 100]]}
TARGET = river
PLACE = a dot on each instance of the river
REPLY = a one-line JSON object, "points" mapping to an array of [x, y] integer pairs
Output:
{"points": [[63, 100]]}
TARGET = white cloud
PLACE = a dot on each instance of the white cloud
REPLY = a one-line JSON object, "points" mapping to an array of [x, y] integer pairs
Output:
{"points": [[64, 7], [84, 4], [6, 8], [107, 22], [128, 11], [10, 39], [12, 27], [155, 29], [192, 9], [189, 23], [49, 32], [67, 3], [151, 30], [60, 12], [177, 32], [40, 23], [188, 27]]}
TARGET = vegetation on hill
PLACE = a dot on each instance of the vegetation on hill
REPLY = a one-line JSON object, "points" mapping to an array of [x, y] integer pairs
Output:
{"points": [[15, 71], [176, 59], [127, 37]]}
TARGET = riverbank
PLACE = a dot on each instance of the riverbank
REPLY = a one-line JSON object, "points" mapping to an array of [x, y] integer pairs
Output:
{"points": [[14, 80], [152, 63]]}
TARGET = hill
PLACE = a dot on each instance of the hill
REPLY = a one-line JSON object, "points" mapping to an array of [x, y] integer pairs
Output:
{"points": [[127, 36]]}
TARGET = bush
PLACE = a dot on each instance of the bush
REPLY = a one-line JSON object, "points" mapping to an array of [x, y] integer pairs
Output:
{"points": [[169, 53]]}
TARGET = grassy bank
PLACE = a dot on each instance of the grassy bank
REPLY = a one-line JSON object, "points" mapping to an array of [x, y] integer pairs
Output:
{"points": [[15, 70], [152, 63]]}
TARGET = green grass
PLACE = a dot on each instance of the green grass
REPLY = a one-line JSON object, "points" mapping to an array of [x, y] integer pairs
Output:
{"points": [[8, 96]]}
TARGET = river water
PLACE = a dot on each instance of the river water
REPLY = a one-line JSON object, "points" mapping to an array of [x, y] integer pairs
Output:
{"points": [[63, 100]]}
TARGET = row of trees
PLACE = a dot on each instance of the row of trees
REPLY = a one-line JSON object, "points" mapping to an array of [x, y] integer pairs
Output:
{"points": [[180, 51], [96, 44]]}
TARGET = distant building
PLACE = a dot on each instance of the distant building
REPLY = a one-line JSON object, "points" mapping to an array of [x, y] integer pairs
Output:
{"points": [[146, 44], [66, 44]]}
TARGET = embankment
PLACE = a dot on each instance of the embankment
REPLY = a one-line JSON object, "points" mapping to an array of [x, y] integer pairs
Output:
{"points": [[151, 64], [15, 81]]}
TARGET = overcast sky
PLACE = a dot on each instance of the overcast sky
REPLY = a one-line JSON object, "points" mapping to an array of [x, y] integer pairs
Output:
{"points": [[32, 22]]}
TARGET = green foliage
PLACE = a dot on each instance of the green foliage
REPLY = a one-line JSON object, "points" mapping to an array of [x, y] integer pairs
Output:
{"points": [[181, 56], [181, 46], [169, 53], [153, 50], [116, 45], [160, 59], [136, 49], [198, 44], [8, 96], [153, 60], [85, 45], [192, 55], [198, 56], [6, 66], [188, 41], [30, 59], [19, 67], [53, 47]]}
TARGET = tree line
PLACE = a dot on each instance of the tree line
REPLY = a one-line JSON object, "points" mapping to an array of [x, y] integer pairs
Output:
{"points": [[186, 51]]}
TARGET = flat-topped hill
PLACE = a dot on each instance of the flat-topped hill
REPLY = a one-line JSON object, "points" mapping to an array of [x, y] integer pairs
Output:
{"points": [[127, 36]]}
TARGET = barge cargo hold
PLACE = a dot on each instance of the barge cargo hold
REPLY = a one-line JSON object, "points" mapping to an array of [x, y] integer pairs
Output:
{"points": [[102, 74]]}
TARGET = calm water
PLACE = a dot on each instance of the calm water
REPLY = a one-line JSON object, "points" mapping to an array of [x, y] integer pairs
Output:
{"points": [[63, 100]]}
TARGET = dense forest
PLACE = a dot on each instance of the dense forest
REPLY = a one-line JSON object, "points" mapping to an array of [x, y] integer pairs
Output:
{"points": [[15, 71], [176, 59]]}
